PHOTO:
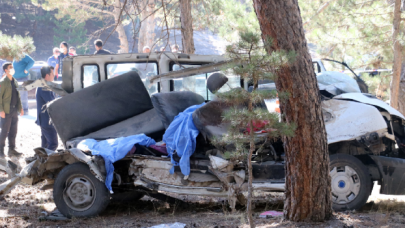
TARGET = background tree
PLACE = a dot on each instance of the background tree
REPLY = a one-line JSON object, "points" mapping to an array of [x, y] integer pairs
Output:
{"points": [[235, 16], [186, 19], [187, 16], [108, 11], [364, 33], [15, 47], [147, 23], [356, 31], [74, 34], [308, 187], [397, 46], [252, 64]]}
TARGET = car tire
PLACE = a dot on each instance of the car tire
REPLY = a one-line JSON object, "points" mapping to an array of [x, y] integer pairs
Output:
{"points": [[351, 182], [78, 193]]}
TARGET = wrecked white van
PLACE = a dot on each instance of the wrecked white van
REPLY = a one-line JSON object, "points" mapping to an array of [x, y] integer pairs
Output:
{"points": [[365, 135]]}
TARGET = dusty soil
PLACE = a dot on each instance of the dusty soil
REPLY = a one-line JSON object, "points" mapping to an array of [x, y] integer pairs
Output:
{"points": [[25, 204]]}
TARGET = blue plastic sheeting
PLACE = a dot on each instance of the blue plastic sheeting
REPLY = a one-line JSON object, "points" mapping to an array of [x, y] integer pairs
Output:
{"points": [[181, 136], [113, 150]]}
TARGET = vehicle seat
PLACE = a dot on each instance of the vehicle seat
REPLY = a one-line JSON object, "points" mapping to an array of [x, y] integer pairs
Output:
{"points": [[99, 106], [147, 123], [208, 118], [169, 105], [216, 81]]}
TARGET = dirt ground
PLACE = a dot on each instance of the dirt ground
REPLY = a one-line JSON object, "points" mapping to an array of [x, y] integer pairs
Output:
{"points": [[26, 204]]}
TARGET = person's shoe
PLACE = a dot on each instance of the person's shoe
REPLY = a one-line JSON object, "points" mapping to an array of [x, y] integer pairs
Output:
{"points": [[13, 152], [2, 153], [26, 112]]}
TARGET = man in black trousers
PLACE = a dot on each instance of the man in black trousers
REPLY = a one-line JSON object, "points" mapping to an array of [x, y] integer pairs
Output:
{"points": [[49, 136], [10, 107]]}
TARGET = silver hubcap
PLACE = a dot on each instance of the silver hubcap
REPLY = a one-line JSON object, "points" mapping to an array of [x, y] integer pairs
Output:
{"points": [[345, 184], [79, 192]]}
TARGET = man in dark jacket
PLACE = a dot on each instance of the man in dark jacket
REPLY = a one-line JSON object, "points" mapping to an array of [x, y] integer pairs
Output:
{"points": [[98, 44], [49, 137], [10, 106]]}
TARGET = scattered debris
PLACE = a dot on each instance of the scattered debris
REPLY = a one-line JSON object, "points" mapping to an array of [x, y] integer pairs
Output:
{"points": [[53, 216], [173, 225], [271, 214]]}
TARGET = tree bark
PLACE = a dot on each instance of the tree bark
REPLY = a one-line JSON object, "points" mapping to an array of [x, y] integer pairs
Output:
{"points": [[401, 96], [124, 47], [308, 187], [396, 68], [147, 30], [186, 27]]}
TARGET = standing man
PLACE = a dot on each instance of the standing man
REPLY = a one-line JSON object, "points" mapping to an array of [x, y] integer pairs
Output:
{"points": [[53, 60], [98, 44], [49, 137], [10, 106], [22, 68]]}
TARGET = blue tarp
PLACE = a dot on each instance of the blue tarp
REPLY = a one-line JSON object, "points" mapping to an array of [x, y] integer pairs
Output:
{"points": [[113, 150], [181, 136]]}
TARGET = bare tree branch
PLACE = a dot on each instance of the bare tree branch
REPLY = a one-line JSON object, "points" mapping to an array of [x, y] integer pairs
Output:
{"points": [[320, 10]]}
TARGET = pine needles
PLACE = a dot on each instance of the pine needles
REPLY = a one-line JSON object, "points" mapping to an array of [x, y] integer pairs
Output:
{"points": [[15, 47]]}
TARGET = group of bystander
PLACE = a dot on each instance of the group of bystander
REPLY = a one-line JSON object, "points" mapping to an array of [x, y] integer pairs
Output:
{"points": [[14, 102]]}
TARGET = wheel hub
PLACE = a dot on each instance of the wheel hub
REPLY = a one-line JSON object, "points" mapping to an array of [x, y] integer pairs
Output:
{"points": [[345, 184], [342, 184], [79, 193]]}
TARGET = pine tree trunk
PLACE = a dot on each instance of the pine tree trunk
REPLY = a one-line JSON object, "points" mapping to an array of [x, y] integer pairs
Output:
{"points": [[308, 187], [186, 27], [396, 69], [401, 96], [147, 30], [124, 47]]}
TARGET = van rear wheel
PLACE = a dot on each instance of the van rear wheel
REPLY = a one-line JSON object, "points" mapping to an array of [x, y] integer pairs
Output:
{"points": [[78, 193]]}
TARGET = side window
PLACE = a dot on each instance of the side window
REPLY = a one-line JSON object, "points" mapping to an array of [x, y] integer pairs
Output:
{"points": [[91, 75], [145, 71], [198, 83]]}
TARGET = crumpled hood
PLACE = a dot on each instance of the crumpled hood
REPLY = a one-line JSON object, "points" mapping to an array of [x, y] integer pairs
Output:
{"points": [[370, 100]]}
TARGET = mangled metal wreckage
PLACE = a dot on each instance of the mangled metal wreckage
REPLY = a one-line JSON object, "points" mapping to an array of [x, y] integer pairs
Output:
{"points": [[365, 135]]}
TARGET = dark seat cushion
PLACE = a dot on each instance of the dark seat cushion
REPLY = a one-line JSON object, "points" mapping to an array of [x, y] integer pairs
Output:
{"points": [[147, 123], [99, 106], [169, 105]]}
